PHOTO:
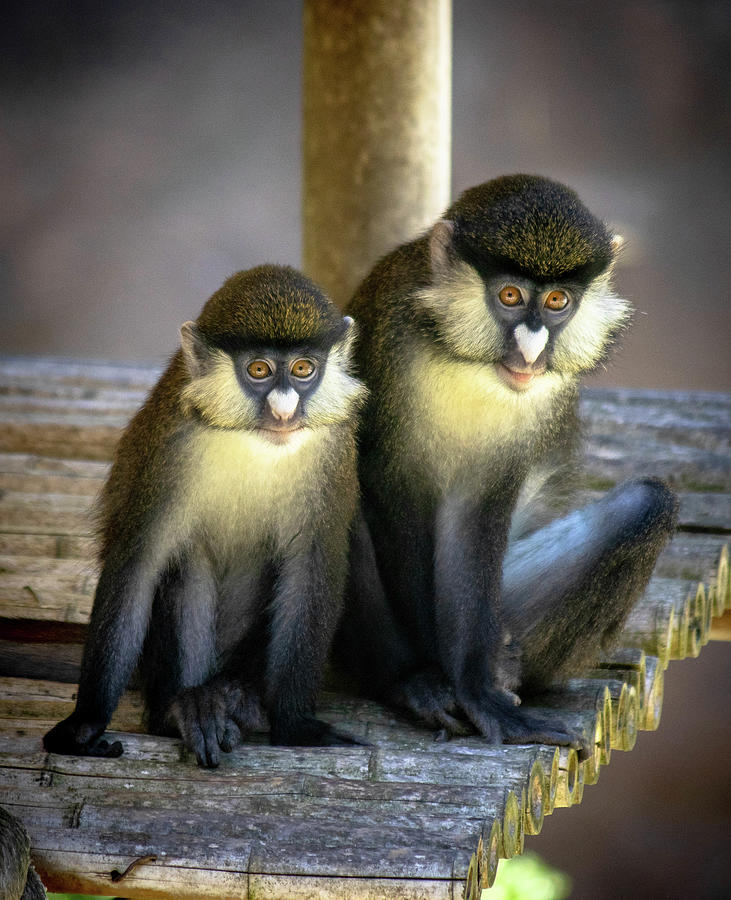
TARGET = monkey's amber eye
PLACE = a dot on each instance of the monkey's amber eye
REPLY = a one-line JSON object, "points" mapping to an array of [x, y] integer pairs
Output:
{"points": [[302, 368], [259, 368], [556, 300], [510, 295]]}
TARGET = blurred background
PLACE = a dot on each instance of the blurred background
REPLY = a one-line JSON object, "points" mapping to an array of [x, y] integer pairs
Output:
{"points": [[149, 150]]}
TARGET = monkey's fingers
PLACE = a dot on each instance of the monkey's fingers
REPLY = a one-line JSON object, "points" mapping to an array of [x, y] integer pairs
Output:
{"points": [[546, 733], [200, 737], [105, 749], [509, 667], [511, 696], [244, 708], [193, 712], [430, 699], [231, 737]]}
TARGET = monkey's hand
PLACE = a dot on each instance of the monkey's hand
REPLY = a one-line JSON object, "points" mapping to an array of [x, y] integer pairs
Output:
{"points": [[214, 717], [74, 737], [501, 721], [429, 697]]}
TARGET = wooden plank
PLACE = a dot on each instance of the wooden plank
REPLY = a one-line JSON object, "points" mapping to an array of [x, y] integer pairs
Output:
{"points": [[43, 370], [721, 627], [66, 514], [27, 404], [699, 418], [49, 544], [682, 437], [298, 842], [693, 557], [62, 589], [37, 484], [40, 589], [33, 464], [89, 873], [91, 439], [685, 435]]}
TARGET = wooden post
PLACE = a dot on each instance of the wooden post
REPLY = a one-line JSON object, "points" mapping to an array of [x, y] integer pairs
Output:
{"points": [[377, 123]]}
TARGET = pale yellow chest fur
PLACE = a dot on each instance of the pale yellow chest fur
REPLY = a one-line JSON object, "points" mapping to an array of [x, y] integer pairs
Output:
{"points": [[459, 412], [240, 490]]}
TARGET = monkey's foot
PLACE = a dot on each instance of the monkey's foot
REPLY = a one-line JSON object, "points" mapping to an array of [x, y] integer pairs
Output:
{"points": [[498, 720], [73, 737], [429, 697], [214, 717], [312, 733]]}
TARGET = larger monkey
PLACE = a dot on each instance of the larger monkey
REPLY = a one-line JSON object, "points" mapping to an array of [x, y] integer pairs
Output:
{"points": [[225, 524], [472, 340]]}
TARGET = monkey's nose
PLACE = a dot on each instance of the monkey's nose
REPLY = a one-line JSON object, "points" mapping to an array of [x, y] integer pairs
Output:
{"points": [[530, 343], [283, 404]]}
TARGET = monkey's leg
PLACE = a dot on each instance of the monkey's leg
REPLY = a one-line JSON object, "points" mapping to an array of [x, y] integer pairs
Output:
{"points": [[183, 695], [180, 648], [116, 631], [303, 616], [371, 646], [369, 643], [569, 586], [470, 541]]}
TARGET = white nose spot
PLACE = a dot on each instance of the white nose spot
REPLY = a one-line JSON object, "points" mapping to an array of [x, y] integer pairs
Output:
{"points": [[530, 343], [283, 403]]}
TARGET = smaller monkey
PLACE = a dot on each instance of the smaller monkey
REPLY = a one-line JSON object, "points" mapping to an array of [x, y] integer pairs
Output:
{"points": [[224, 525]]}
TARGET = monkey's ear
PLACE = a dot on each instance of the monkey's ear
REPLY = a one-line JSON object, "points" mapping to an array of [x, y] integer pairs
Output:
{"points": [[196, 353], [441, 252], [617, 245], [345, 342]]}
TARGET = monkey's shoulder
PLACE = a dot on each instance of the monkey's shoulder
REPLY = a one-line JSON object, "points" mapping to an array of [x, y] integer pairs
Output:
{"points": [[397, 274]]}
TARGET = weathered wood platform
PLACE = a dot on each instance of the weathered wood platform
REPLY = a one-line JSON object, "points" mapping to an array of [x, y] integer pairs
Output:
{"points": [[404, 817]]}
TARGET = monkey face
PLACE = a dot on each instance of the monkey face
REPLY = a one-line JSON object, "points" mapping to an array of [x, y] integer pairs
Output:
{"points": [[521, 281], [280, 384], [521, 325], [530, 316], [274, 390]]}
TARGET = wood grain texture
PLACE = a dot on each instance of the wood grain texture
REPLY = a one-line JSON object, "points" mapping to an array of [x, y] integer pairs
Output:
{"points": [[404, 816]]}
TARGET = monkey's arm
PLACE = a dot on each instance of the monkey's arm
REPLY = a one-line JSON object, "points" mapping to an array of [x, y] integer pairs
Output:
{"points": [[304, 613], [470, 544], [117, 629]]}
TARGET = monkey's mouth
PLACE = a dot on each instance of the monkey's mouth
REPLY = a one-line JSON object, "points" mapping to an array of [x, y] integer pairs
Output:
{"points": [[280, 434], [519, 379]]}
